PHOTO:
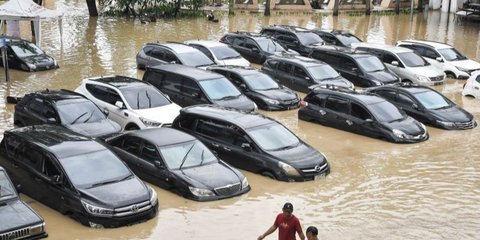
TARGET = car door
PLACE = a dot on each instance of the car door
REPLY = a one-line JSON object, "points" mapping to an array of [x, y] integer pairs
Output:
{"points": [[337, 111], [242, 151], [350, 70], [253, 51], [155, 56], [283, 74], [106, 98], [361, 121], [300, 78], [38, 111], [153, 167], [192, 94], [239, 44], [52, 182]]}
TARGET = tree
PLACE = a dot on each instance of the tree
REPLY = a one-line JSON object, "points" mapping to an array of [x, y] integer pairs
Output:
{"points": [[267, 8]]}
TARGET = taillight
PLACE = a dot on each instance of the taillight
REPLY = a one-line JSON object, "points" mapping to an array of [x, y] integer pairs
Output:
{"points": [[303, 104]]}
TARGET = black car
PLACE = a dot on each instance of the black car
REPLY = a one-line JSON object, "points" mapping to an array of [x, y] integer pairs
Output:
{"points": [[361, 68], [188, 86], [365, 114], [17, 219], [180, 163], [26, 56], [299, 39], [63, 107], [299, 73], [76, 176], [253, 142], [337, 37], [261, 88], [427, 106], [253, 46]]}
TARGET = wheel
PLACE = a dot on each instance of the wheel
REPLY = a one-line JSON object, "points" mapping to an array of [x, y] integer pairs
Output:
{"points": [[268, 174], [131, 127]]}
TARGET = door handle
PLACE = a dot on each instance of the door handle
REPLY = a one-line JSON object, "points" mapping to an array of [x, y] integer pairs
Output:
{"points": [[322, 112], [476, 88], [215, 145], [126, 114], [227, 149], [350, 123]]}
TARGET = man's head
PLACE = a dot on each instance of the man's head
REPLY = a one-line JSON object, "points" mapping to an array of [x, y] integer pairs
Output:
{"points": [[312, 233], [287, 209]]}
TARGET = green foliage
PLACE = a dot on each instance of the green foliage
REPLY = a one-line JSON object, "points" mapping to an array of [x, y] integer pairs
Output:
{"points": [[158, 8]]}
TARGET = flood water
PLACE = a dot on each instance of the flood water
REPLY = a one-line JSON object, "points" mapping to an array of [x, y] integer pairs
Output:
{"points": [[376, 190]]}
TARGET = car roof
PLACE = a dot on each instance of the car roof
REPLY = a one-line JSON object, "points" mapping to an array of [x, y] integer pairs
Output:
{"points": [[57, 139], [385, 47], [176, 47], [236, 69], [57, 95], [252, 35], [437, 45], [119, 81], [162, 136], [239, 118], [192, 72], [343, 50], [206, 43], [288, 27], [335, 31], [305, 61], [363, 97]]}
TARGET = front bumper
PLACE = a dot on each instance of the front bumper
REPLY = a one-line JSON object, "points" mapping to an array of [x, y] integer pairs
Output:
{"points": [[113, 222]]}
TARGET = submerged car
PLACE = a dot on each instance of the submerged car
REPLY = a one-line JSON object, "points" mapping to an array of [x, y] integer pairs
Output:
{"points": [[63, 107], [26, 56], [259, 87], [427, 106], [360, 113], [178, 162], [18, 220], [472, 86], [76, 176], [253, 142]]}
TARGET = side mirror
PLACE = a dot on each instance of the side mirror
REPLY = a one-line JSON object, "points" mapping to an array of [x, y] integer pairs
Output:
{"points": [[308, 79], [119, 104], [243, 86], [106, 112], [355, 70], [439, 59], [255, 50], [56, 179], [158, 164], [18, 187], [415, 106], [51, 120], [369, 120], [395, 63], [246, 147], [195, 95]]}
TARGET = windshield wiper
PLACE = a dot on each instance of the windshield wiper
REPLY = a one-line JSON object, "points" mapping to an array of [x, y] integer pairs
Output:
{"points": [[200, 164], [91, 114], [76, 119], [231, 57], [138, 100], [286, 147], [109, 182], [442, 107], [186, 155], [149, 99], [227, 97]]}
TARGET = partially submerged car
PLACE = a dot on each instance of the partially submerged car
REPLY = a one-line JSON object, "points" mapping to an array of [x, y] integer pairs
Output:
{"points": [[178, 162], [26, 56], [18, 220], [472, 86]]}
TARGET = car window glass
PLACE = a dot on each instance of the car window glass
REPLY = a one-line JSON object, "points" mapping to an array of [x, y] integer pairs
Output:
{"points": [[218, 131], [360, 112], [33, 158], [219, 88], [329, 39], [299, 72], [223, 52], [12, 145], [317, 99], [147, 50], [390, 95], [348, 63], [389, 58], [451, 54], [194, 58], [191, 88], [404, 99], [237, 41], [347, 39], [36, 106], [149, 152], [79, 111], [371, 64], [260, 81], [103, 93], [412, 59], [7, 191], [189, 154], [433, 100], [337, 105], [170, 57], [249, 43], [268, 45], [132, 145], [49, 169], [284, 67], [156, 53], [429, 53], [204, 50], [272, 63], [25, 49], [273, 137], [478, 78], [237, 80], [172, 82], [322, 72]]}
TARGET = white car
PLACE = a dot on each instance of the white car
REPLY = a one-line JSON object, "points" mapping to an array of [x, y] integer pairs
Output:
{"points": [[132, 103], [407, 64], [220, 53], [447, 57], [472, 86]]}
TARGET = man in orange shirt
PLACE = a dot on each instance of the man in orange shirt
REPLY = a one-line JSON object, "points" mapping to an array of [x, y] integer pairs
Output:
{"points": [[287, 225]]}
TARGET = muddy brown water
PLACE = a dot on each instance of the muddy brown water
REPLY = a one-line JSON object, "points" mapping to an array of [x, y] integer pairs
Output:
{"points": [[376, 190]]}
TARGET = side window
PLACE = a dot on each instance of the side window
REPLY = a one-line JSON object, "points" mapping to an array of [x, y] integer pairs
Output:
{"points": [[156, 53], [219, 131], [360, 112], [103, 93], [317, 99], [149, 152], [299, 72], [273, 64], [284, 67], [329, 39], [237, 80], [49, 168], [187, 122], [249, 43], [13, 146], [154, 78], [347, 63], [389, 58], [32, 157], [404, 99], [170, 57], [237, 41], [147, 50], [337, 105], [191, 88], [172, 82], [388, 94], [36, 106], [268, 32], [204, 50], [429, 53], [132, 145]]}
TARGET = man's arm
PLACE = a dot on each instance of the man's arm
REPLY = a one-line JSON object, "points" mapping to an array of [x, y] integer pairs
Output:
{"points": [[269, 231], [300, 231]]}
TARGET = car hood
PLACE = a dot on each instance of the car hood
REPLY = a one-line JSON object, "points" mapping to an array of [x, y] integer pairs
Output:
{"points": [[466, 64], [95, 129], [408, 125], [16, 214], [452, 114], [281, 94], [118, 194], [211, 176], [301, 156], [340, 81], [164, 114], [427, 71], [383, 76], [241, 103]]}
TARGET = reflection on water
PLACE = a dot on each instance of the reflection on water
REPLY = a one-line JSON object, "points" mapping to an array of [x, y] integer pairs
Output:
{"points": [[377, 190]]}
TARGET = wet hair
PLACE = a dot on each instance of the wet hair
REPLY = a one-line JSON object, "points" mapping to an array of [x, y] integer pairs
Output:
{"points": [[312, 230]]}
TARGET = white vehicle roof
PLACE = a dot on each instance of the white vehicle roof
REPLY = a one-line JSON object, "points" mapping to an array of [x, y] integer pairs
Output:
{"points": [[380, 46], [436, 45], [205, 43]]}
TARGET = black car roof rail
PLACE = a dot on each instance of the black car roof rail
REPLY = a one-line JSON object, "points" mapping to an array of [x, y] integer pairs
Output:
{"points": [[235, 67], [331, 87], [419, 43], [290, 27], [253, 34]]}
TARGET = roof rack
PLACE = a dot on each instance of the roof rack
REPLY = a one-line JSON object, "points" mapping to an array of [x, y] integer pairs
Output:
{"points": [[332, 87], [294, 28]]}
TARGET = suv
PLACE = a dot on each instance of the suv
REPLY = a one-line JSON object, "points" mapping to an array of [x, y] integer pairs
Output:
{"points": [[190, 86], [253, 46], [360, 68], [299, 39], [26, 56], [18, 220], [132, 103], [337, 37], [258, 86], [408, 65], [364, 114], [67, 108], [171, 52], [253, 142], [76, 176], [220, 53], [299, 73], [450, 59], [427, 106]]}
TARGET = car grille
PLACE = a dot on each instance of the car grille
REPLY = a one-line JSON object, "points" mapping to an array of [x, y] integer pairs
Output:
{"points": [[436, 79], [228, 190], [132, 209], [316, 169], [465, 125], [17, 234], [288, 103]]}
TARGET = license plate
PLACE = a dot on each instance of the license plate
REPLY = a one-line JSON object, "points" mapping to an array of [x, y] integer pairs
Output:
{"points": [[316, 177]]}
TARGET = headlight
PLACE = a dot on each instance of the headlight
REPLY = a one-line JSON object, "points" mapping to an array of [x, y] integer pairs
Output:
{"points": [[271, 101], [421, 78], [153, 197], [31, 66], [399, 133], [97, 211], [37, 229], [244, 183], [200, 192], [446, 124], [289, 170], [150, 123]]}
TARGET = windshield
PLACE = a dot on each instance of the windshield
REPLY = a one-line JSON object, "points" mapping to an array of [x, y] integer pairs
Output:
{"points": [[260, 81], [432, 100], [309, 38], [323, 72], [195, 59], [273, 137], [451, 54], [385, 112], [219, 89], [412, 59], [268, 45], [347, 39], [25, 49], [371, 64], [143, 97], [224, 52], [6, 189], [94, 168], [188, 154], [75, 111]]}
